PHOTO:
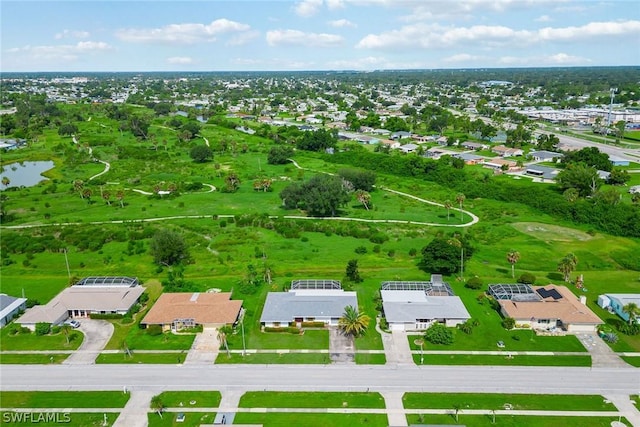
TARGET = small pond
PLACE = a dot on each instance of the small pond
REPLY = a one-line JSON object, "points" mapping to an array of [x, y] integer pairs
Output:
{"points": [[25, 174]]}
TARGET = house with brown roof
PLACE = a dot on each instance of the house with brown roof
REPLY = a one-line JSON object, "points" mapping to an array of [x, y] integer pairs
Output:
{"points": [[545, 307], [503, 151], [188, 309]]}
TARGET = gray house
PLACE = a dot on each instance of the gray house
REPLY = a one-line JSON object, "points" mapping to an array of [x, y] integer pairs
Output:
{"points": [[10, 307], [307, 301], [546, 156]]}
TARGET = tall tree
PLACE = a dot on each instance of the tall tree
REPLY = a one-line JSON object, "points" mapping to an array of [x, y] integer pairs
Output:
{"points": [[460, 198], [120, 197], [6, 181], [353, 322], [513, 257], [567, 265], [157, 405], [352, 272], [169, 247], [201, 153], [363, 197], [448, 206], [632, 310]]}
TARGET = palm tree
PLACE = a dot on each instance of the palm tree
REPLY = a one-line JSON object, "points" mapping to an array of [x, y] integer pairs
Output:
{"points": [[513, 257], [86, 194], [157, 405], [456, 408], [447, 206], [106, 195], [120, 197], [567, 265], [223, 333], [353, 322], [363, 197], [632, 310], [78, 185], [460, 198], [66, 330]]}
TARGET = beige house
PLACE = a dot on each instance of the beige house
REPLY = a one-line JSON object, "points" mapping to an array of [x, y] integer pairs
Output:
{"points": [[188, 309], [549, 307]]}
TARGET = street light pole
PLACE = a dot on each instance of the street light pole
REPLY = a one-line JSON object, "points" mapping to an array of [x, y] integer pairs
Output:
{"points": [[244, 349]]}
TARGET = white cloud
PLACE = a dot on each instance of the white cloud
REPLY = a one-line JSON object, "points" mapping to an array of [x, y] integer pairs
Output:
{"points": [[67, 52], [335, 4], [341, 23], [299, 38], [243, 38], [556, 59], [462, 57], [436, 36], [182, 60], [187, 33], [543, 18], [72, 34], [307, 8]]}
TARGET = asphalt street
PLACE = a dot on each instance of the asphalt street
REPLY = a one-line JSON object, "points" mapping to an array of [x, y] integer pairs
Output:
{"points": [[389, 378]]}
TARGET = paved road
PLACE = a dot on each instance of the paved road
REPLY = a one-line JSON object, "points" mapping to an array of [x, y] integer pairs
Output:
{"points": [[625, 153], [494, 379]]}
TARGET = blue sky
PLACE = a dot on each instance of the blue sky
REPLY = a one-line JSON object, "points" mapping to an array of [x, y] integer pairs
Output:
{"points": [[316, 34]]}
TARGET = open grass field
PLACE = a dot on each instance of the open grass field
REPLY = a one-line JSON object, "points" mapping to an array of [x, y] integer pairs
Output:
{"points": [[192, 419], [274, 399], [274, 419], [548, 402], [31, 341], [153, 358], [193, 399], [32, 359], [517, 360], [221, 250], [66, 399], [513, 420]]}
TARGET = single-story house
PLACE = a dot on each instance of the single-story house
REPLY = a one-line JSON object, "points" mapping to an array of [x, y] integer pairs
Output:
{"points": [[542, 172], [546, 156], [470, 159], [545, 307], [408, 148], [10, 307], [635, 189], [497, 163], [414, 306], [469, 145], [616, 302], [503, 151], [307, 301], [364, 139], [102, 295], [618, 161], [603, 174], [177, 310], [389, 143], [400, 134]]}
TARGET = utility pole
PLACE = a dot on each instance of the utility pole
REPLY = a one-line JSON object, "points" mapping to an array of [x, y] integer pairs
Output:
{"points": [[244, 348], [612, 91], [67, 262]]}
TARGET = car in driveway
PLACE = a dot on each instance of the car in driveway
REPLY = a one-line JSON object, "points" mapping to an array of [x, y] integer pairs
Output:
{"points": [[72, 322]]}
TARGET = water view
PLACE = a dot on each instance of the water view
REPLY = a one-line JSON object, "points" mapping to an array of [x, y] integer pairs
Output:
{"points": [[25, 174]]}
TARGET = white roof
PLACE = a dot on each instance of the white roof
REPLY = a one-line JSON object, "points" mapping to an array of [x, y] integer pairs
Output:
{"points": [[625, 299], [408, 306], [8, 304]]}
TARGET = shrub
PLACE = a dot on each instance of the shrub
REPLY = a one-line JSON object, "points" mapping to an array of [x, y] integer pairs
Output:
{"points": [[413, 252], [42, 328], [439, 334], [508, 323], [154, 330], [313, 324], [384, 325], [391, 253], [527, 278], [610, 337], [105, 316], [376, 249], [378, 238], [474, 283], [55, 330], [361, 250]]}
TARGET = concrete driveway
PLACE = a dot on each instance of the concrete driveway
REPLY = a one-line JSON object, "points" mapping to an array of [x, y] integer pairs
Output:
{"points": [[341, 347], [97, 334]]}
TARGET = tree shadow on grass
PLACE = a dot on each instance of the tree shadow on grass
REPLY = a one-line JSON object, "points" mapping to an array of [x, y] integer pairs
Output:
{"points": [[555, 276]]}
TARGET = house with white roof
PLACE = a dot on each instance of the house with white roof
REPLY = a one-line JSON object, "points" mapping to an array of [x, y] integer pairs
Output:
{"points": [[308, 300], [10, 307], [415, 306], [616, 303]]}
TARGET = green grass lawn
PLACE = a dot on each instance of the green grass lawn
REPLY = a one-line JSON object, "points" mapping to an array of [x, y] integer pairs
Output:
{"points": [[371, 359], [202, 399], [311, 339], [170, 358], [31, 341], [274, 358], [548, 402], [63, 399], [275, 399], [633, 361], [274, 419], [519, 360], [139, 339], [32, 359], [192, 419], [70, 418], [513, 420]]}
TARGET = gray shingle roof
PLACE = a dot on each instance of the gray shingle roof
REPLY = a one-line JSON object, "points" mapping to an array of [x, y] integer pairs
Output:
{"points": [[408, 306], [286, 306]]}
